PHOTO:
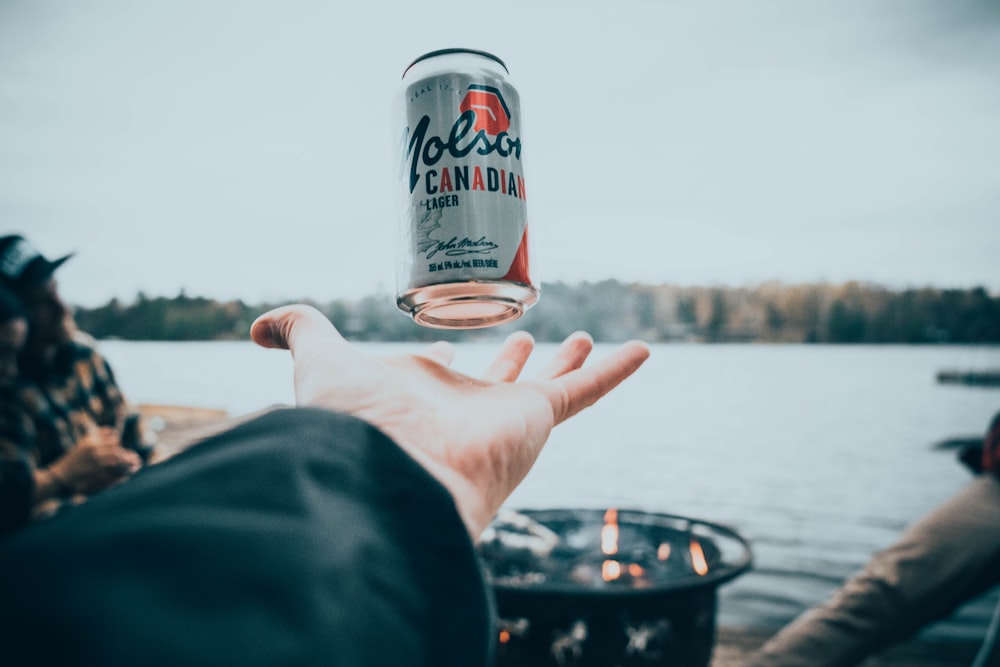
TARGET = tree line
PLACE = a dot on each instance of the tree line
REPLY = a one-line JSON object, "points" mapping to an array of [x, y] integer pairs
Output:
{"points": [[612, 311]]}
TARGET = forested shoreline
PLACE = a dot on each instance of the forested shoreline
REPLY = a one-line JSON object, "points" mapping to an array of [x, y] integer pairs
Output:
{"points": [[853, 312]]}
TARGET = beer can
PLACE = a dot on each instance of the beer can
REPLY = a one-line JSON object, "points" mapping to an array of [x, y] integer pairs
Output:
{"points": [[463, 232]]}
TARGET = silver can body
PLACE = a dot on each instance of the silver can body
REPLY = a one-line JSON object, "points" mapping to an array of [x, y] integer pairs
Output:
{"points": [[463, 259]]}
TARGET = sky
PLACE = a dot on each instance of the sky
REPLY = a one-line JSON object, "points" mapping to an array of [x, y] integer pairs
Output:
{"points": [[246, 149]]}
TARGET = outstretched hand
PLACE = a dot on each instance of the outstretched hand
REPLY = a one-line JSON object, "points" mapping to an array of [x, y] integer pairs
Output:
{"points": [[478, 437]]}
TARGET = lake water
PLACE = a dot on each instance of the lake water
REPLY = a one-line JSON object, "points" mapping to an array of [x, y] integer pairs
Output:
{"points": [[818, 455]]}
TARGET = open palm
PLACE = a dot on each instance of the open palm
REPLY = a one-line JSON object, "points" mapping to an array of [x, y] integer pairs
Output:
{"points": [[478, 436]]}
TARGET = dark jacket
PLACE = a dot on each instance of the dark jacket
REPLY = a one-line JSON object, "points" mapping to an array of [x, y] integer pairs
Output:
{"points": [[301, 537]]}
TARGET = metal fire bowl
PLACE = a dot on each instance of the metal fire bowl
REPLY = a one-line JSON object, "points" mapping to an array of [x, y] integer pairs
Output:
{"points": [[552, 597]]}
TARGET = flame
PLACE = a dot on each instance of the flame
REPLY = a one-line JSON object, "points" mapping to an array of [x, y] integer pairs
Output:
{"points": [[611, 570], [504, 636], [609, 533], [636, 570], [663, 552], [698, 561]]}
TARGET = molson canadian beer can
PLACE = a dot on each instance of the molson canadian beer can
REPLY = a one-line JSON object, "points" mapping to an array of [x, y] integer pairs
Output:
{"points": [[463, 250]]}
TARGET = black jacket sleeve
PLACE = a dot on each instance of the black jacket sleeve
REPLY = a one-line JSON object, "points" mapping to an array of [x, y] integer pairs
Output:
{"points": [[302, 537]]}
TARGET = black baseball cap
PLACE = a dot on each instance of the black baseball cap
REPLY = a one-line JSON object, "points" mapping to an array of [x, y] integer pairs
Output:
{"points": [[21, 265]]}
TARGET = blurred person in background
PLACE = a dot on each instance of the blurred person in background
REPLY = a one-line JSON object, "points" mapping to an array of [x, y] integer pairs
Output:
{"points": [[943, 560], [66, 430]]}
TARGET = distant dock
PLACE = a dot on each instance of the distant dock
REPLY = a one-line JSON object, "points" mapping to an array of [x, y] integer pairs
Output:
{"points": [[988, 378]]}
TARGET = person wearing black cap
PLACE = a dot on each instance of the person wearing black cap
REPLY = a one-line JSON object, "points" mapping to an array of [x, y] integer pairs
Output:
{"points": [[65, 430]]}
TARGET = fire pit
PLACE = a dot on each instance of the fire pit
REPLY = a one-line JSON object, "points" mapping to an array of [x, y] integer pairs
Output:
{"points": [[609, 587]]}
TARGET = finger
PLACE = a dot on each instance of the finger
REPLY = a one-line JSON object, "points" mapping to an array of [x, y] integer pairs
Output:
{"points": [[291, 327], [442, 352], [118, 458], [511, 359], [130, 462], [579, 389], [571, 354]]}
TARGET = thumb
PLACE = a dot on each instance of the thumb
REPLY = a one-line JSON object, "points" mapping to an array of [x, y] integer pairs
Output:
{"points": [[292, 327]]}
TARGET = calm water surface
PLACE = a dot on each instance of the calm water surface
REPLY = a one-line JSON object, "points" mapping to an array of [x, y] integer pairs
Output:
{"points": [[818, 455]]}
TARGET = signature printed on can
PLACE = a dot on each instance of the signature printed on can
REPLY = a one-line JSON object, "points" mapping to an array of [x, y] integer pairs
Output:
{"points": [[453, 247]]}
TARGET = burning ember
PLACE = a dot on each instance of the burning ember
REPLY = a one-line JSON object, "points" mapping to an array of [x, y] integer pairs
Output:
{"points": [[608, 587], [698, 561], [610, 569], [609, 533]]}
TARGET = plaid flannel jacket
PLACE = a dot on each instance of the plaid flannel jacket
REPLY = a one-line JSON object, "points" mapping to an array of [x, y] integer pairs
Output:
{"points": [[41, 419]]}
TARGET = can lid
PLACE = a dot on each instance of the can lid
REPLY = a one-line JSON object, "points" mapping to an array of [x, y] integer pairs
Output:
{"points": [[444, 52]]}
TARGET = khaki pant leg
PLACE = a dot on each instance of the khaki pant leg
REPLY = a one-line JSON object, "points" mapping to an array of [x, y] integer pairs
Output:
{"points": [[944, 559]]}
